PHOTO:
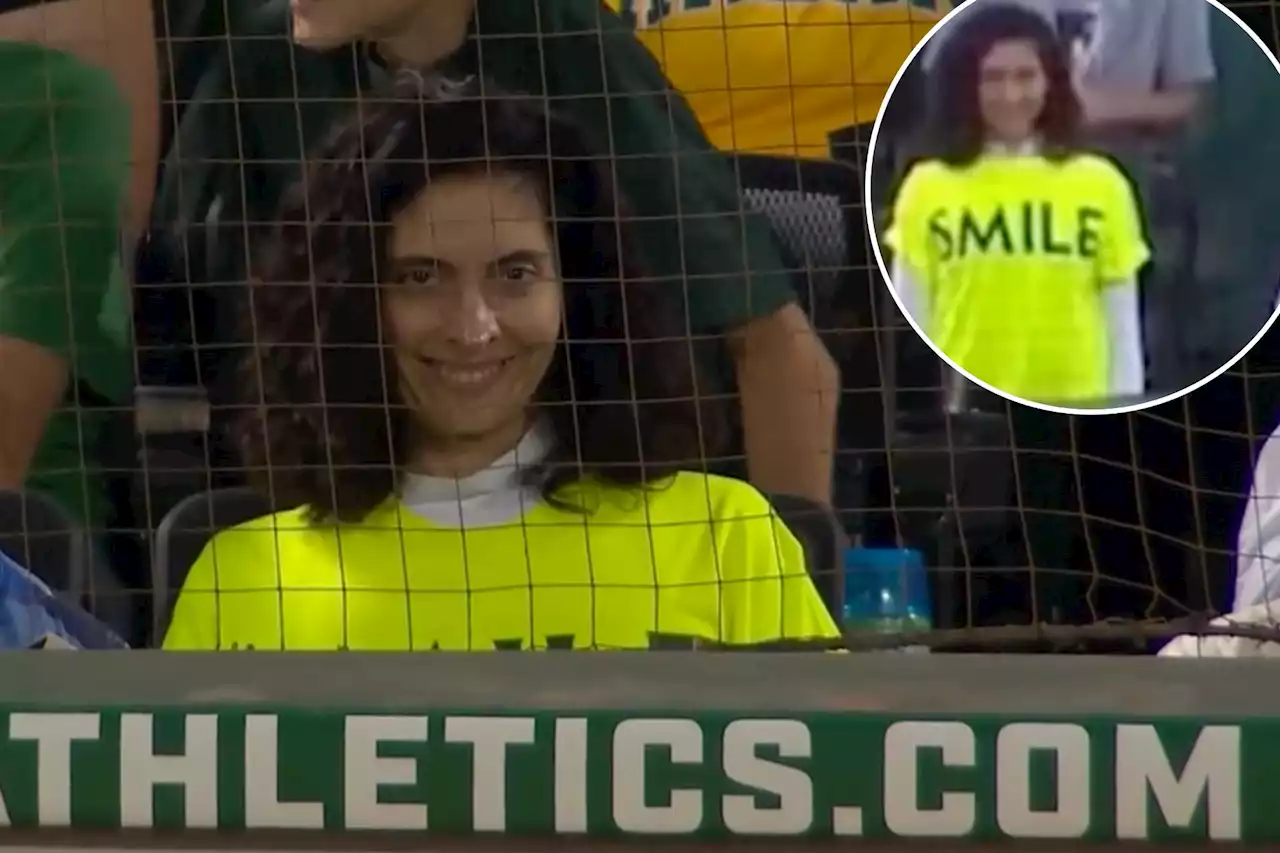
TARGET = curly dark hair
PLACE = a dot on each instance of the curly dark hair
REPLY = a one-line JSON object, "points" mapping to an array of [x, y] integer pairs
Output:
{"points": [[956, 132], [325, 428]]}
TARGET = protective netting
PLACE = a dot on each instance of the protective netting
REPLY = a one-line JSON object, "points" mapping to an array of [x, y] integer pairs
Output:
{"points": [[1039, 531]]}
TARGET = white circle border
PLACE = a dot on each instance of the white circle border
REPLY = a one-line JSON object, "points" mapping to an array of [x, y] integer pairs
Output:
{"points": [[888, 281]]}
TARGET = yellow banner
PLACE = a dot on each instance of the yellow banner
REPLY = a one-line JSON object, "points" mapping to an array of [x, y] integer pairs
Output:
{"points": [[777, 76]]}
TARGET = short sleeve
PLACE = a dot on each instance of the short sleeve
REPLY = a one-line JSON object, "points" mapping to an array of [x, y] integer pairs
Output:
{"points": [[768, 594], [1122, 249], [230, 598], [907, 236], [1187, 48], [194, 625], [64, 150]]}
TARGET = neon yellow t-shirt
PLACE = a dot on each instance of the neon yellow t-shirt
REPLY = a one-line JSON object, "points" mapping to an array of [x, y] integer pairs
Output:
{"points": [[778, 76], [1013, 254], [699, 557]]}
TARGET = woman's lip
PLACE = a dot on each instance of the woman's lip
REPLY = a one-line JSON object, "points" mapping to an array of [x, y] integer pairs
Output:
{"points": [[465, 365], [465, 375]]}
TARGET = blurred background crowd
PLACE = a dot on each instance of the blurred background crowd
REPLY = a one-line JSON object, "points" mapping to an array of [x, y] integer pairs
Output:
{"points": [[735, 137]]}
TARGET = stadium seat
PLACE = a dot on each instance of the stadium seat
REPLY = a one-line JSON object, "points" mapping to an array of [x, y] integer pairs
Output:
{"points": [[823, 540], [183, 534], [37, 532], [807, 203]]}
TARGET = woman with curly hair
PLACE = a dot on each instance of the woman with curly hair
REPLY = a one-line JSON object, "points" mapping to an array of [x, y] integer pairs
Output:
{"points": [[1016, 251], [479, 414]]}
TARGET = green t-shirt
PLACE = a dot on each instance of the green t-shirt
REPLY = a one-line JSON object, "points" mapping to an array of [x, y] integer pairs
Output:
{"points": [[282, 100], [1229, 162], [64, 151]]}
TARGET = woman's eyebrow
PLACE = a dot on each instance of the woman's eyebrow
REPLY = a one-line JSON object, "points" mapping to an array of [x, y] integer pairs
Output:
{"points": [[518, 256], [421, 261], [524, 256]]}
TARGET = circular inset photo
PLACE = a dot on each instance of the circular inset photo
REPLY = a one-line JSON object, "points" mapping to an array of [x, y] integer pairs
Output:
{"points": [[1073, 219]]}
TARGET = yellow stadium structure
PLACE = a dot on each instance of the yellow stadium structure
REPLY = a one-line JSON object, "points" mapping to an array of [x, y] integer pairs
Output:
{"points": [[777, 76]]}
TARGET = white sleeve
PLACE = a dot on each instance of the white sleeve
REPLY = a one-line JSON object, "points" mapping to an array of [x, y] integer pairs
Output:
{"points": [[1258, 547], [1128, 374], [911, 294]]}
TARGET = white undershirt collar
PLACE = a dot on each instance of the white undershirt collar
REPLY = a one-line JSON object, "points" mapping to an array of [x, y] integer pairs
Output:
{"points": [[492, 496], [1024, 149]]}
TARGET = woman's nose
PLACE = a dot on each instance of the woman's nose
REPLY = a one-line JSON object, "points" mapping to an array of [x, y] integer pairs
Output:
{"points": [[1011, 92], [474, 321]]}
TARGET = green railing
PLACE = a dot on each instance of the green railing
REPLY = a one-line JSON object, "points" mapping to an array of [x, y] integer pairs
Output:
{"points": [[704, 746]]}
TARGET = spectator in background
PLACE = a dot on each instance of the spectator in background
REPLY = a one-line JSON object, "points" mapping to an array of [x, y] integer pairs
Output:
{"points": [[1142, 69], [32, 616], [247, 129], [64, 328], [1015, 252], [1237, 254], [468, 518], [1139, 65], [1257, 589], [1258, 554]]}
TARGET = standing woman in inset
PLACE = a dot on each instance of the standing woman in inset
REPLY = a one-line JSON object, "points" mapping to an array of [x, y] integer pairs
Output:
{"points": [[1014, 251]]}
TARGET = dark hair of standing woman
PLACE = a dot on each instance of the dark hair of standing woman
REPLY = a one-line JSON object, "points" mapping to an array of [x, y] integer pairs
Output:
{"points": [[956, 132], [325, 426]]}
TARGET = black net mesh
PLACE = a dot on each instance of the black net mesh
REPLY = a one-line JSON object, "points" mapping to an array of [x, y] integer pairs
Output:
{"points": [[1040, 531]]}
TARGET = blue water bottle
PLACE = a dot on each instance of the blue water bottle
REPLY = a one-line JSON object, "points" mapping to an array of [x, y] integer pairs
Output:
{"points": [[886, 591]]}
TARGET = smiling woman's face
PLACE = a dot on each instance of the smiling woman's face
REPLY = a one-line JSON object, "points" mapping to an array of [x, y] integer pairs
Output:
{"points": [[474, 304], [1012, 87]]}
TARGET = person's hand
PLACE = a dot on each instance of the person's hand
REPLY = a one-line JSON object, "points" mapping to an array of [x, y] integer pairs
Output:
{"points": [[1102, 106], [1097, 106]]}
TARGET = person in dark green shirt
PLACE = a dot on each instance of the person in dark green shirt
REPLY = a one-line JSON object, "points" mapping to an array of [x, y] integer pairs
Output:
{"points": [[1229, 164], [64, 306], [242, 139]]}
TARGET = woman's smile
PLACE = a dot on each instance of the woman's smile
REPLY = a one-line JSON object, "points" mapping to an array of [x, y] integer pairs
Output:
{"points": [[466, 375]]}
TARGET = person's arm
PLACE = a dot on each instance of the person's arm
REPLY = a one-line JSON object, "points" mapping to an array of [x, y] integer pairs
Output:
{"points": [[116, 36], [1186, 71], [789, 387], [689, 218], [912, 295], [32, 384], [1157, 109], [1121, 253], [60, 202], [907, 240], [1120, 305]]}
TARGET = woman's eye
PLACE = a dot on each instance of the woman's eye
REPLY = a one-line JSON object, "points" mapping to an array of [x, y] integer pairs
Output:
{"points": [[420, 275], [520, 273]]}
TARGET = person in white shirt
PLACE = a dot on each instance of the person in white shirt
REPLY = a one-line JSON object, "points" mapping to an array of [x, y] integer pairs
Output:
{"points": [[1257, 592], [1258, 550]]}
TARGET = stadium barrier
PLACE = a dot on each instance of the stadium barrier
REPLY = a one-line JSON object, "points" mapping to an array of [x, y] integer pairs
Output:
{"points": [[444, 751]]}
